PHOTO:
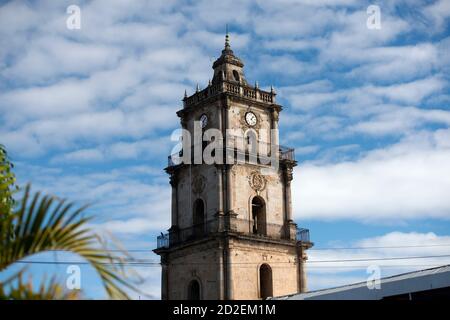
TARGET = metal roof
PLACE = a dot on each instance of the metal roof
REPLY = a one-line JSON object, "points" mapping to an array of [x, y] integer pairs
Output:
{"points": [[415, 281]]}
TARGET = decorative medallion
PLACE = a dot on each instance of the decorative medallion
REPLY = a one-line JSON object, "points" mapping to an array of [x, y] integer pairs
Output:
{"points": [[257, 181], [198, 184]]}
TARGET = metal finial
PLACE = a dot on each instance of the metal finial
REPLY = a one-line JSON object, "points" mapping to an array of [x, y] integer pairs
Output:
{"points": [[227, 38], [256, 85], [185, 93], [198, 88]]}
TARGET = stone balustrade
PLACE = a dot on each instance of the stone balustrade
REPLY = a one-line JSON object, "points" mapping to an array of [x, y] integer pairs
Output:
{"points": [[237, 89]]}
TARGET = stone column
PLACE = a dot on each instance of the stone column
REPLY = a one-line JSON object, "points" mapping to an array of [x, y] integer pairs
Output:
{"points": [[301, 257], [229, 191], [164, 278], [228, 167], [173, 183], [220, 167], [274, 126], [220, 189], [288, 179], [229, 286], [220, 276]]}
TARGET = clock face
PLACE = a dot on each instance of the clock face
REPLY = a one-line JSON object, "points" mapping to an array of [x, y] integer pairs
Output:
{"points": [[250, 118], [203, 120]]}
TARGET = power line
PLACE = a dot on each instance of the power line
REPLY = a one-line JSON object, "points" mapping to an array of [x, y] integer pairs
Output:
{"points": [[382, 259], [381, 247], [312, 249], [150, 263]]}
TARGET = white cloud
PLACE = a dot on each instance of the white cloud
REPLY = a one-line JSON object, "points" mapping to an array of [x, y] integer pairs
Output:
{"points": [[439, 13], [412, 92], [49, 57], [408, 180], [84, 155], [143, 149], [133, 226], [400, 121], [134, 196], [391, 245], [306, 150], [322, 94], [397, 63]]}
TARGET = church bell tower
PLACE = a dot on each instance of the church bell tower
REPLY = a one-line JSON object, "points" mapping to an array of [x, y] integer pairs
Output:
{"points": [[232, 235]]}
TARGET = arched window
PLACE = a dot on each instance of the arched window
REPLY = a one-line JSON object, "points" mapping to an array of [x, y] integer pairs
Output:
{"points": [[198, 219], [194, 290], [265, 281], [259, 215]]}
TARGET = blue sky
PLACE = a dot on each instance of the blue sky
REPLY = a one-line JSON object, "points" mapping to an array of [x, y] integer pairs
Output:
{"points": [[87, 114]]}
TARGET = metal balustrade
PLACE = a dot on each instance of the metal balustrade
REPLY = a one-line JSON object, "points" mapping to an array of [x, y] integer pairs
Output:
{"points": [[237, 226], [240, 149], [303, 235]]}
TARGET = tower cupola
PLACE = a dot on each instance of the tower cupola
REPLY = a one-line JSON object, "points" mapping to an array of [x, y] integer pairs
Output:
{"points": [[228, 67]]}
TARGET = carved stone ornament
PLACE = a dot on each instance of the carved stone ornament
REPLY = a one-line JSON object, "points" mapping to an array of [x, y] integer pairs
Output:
{"points": [[257, 181], [198, 184], [288, 174]]}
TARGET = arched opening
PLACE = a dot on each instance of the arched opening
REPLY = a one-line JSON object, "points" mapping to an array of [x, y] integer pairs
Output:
{"points": [[198, 219], [194, 290], [259, 216], [236, 75], [265, 281], [251, 140]]}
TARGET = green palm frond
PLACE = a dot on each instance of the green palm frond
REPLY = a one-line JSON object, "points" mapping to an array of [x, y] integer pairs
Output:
{"points": [[43, 223], [16, 288]]}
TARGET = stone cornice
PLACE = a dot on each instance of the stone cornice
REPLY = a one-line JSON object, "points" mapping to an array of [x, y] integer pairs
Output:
{"points": [[225, 95]]}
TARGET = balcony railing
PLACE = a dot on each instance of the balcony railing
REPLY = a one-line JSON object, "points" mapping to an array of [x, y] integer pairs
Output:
{"points": [[287, 153], [237, 226], [162, 241], [236, 89], [303, 235], [241, 150]]}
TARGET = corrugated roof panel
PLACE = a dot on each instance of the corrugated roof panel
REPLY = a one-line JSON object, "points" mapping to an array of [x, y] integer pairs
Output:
{"points": [[426, 279]]}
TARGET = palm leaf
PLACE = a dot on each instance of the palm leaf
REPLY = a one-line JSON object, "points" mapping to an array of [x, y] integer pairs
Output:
{"points": [[44, 223]]}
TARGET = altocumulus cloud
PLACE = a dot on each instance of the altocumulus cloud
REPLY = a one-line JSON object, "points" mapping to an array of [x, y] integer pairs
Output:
{"points": [[87, 114]]}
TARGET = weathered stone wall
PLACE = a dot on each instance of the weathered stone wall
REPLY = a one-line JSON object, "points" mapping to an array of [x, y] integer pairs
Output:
{"points": [[199, 263], [202, 263], [187, 193], [236, 116], [211, 111], [248, 256], [243, 194]]}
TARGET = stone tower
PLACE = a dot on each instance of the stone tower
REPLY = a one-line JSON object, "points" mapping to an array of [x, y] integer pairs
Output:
{"points": [[232, 233]]}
